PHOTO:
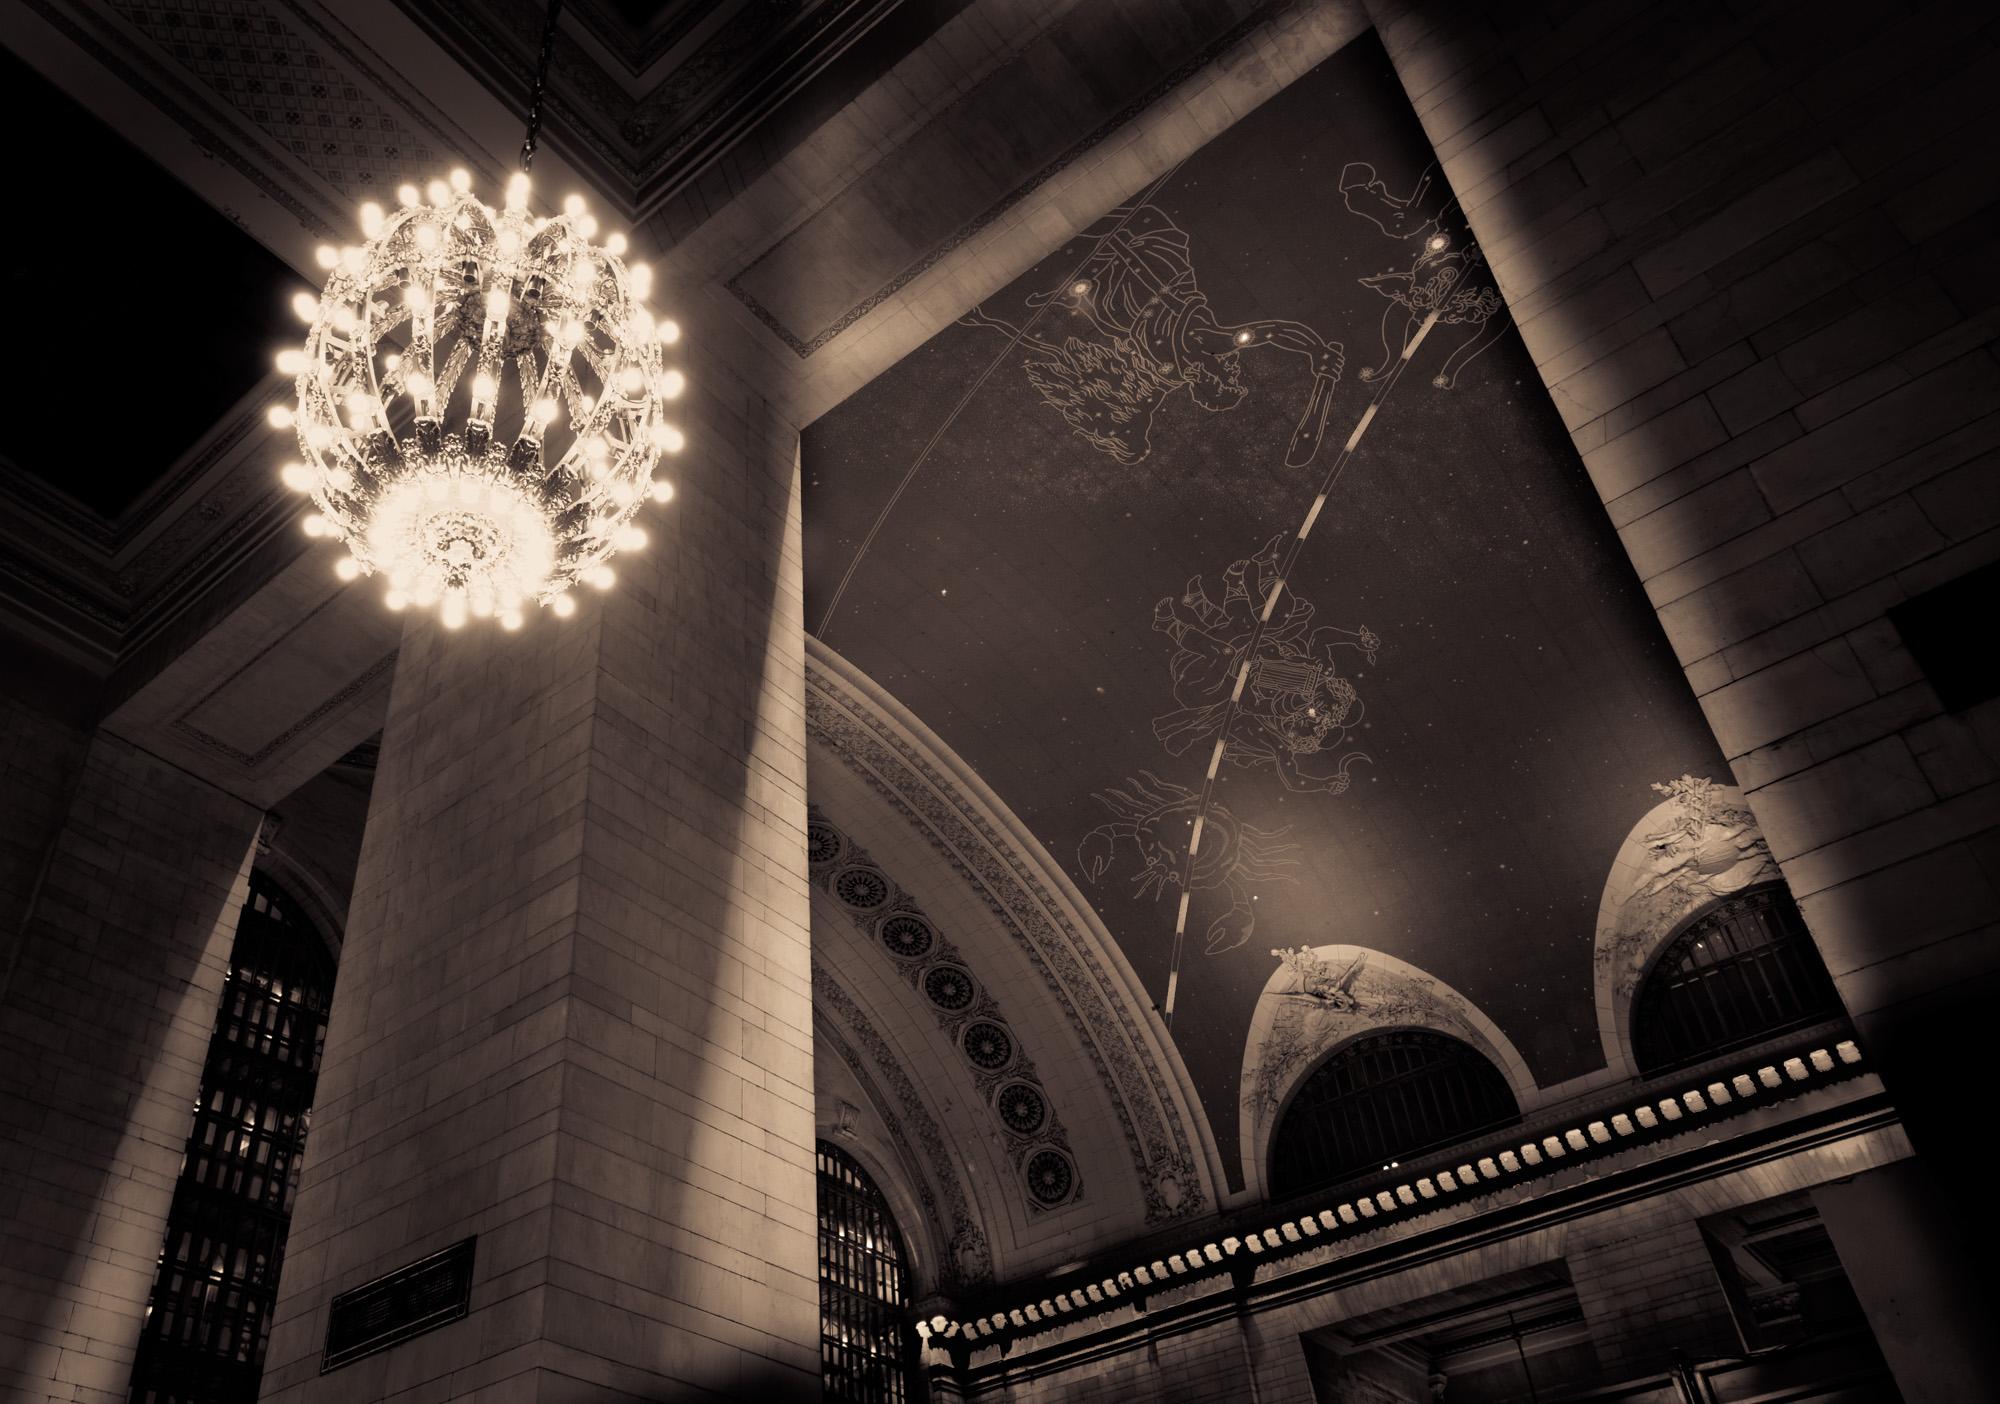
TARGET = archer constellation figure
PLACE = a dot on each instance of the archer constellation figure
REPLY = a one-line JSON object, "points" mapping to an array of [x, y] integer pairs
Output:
{"points": [[1295, 709], [1154, 818], [1447, 275], [1150, 336]]}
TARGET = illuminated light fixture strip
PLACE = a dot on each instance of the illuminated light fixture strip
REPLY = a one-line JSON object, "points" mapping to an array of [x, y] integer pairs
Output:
{"points": [[1361, 1210]]}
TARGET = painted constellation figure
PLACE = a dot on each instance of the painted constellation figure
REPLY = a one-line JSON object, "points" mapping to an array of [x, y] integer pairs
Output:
{"points": [[1448, 274], [1296, 708], [1151, 336], [1154, 816]]}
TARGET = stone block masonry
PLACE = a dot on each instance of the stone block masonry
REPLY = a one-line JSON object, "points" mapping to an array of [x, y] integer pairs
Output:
{"points": [[1741, 244], [574, 1014], [111, 991]]}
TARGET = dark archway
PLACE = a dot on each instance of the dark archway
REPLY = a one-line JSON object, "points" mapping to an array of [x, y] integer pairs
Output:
{"points": [[1739, 971], [867, 1350], [1383, 1098], [210, 1317]]}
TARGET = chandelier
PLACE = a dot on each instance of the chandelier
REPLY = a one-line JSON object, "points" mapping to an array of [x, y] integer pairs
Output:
{"points": [[481, 399]]}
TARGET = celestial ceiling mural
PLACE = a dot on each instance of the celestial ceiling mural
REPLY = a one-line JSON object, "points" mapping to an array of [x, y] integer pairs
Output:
{"points": [[1239, 549]]}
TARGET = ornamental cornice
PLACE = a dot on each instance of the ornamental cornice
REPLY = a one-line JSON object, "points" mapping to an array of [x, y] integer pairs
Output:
{"points": [[1159, 1120]]}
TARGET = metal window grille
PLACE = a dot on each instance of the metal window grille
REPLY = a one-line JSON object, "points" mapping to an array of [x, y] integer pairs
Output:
{"points": [[866, 1349], [1383, 1098], [210, 1316], [1740, 971]]}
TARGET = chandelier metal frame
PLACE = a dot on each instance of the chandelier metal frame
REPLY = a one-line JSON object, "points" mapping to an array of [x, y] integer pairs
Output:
{"points": [[481, 398]]}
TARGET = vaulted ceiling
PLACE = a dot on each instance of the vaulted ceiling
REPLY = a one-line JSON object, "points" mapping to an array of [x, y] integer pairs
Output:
{"points": [[1078, 301]]}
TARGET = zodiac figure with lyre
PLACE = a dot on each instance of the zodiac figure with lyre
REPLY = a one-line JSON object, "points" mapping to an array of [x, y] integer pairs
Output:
{"points": [[1295, 709]]}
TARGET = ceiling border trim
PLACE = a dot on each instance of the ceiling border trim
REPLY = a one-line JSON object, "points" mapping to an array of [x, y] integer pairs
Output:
{"points": [[1188, 69]]}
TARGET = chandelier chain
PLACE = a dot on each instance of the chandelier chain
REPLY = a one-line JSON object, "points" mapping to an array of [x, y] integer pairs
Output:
{"points": [[536, 98]]}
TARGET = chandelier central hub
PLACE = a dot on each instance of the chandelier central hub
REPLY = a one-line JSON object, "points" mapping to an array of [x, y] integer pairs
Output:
{"points": [[481, 402]]}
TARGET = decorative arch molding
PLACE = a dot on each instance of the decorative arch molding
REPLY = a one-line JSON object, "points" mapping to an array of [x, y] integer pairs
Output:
{"points": [[894, 1135], [1003, 874], [1699, 844], [1321, 998], [1020, 1118]]}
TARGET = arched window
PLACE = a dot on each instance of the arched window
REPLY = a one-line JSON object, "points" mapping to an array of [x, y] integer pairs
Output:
{"points": [[867, 1349], [205, 1331], [1739, 971], [1385, 1097]]}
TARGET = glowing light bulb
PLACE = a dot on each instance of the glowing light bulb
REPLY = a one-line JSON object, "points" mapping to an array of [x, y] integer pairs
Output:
{"points": [[669, 331], [642, 280], [450, 519], [573, 205], [327, 257], [668, 439], [661, 490], [280, 417]]}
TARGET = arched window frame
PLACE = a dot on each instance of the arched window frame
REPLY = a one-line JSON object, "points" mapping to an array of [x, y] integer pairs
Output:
{"points": [[209, 1317], [1489, 1103], [868, 1347], [1790, 977]]}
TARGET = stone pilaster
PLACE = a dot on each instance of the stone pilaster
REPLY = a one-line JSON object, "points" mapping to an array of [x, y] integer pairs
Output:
{"points": [[574, 1014], [109, 997]]}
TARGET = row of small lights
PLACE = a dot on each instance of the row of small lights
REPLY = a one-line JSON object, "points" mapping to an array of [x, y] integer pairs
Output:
{"points": [[1357, 1212]]}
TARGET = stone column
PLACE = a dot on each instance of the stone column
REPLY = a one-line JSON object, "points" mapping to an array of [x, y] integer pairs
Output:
{"points": [[1892, 1230], [108, 995], [574, 1014], [1731, 245]]}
